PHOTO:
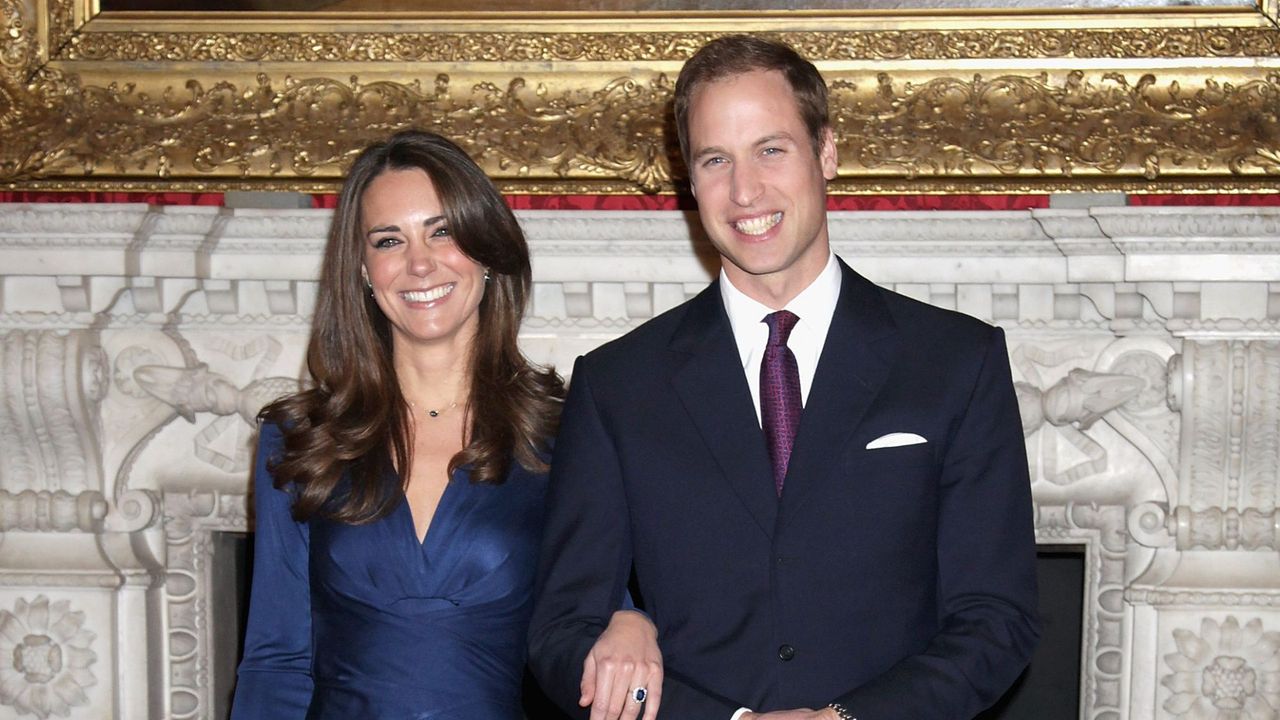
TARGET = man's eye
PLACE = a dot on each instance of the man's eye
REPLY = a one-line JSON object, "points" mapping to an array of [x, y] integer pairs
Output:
{"points": [[713, 161], [773, 151]]}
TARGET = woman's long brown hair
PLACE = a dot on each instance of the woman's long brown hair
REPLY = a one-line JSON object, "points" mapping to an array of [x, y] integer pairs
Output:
{"points": [[345, 437]]}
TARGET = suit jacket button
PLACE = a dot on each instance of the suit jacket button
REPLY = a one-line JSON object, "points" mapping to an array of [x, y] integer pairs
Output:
{"points": [[786, 652]]}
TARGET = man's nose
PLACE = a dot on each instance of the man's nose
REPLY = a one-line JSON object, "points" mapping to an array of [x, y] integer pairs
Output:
{"points": [[747, 184]]}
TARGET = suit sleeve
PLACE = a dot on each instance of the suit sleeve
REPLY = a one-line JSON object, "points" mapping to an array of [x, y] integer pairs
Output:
{"points": [[586, 561], [986, 568], [274, 678]]}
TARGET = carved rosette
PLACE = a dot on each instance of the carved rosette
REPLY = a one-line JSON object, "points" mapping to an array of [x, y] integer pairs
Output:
{"points": [[49, 429], [45, 658], [1224, 672]]}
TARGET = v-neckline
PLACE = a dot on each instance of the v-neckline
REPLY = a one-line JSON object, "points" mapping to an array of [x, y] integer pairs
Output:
{"points": [[435, 515]]}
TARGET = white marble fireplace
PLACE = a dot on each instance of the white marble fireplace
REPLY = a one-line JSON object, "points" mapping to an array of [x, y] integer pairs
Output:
{"points": [[137, 343]]}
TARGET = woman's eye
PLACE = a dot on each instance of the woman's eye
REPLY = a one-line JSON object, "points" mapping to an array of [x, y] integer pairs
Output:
{"points": [[385, 242], [441, 231]]}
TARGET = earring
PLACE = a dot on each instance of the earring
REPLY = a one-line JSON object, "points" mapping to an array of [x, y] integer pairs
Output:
{"points": [[486, 274], [364, 275]]}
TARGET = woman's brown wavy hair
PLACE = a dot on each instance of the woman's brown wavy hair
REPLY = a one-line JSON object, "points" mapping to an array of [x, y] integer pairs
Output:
{"points": [[354, 422]]}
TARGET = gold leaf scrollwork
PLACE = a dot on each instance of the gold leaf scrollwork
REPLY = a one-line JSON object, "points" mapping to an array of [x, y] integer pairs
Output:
{"points": [[314, 126], [31, 98], [663, 46], [583, 107], [1012, 124]]}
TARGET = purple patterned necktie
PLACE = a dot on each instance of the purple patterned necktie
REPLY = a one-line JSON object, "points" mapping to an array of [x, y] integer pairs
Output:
{"points": [[779, 393]]}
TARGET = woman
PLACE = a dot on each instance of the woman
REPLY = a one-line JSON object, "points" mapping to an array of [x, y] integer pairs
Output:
{"points": [[399, 499]]}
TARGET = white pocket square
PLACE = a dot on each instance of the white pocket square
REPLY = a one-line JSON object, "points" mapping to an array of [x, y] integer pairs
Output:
{"points": [[895, 440]]}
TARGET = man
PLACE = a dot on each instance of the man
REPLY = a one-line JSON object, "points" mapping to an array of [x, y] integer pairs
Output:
{"points": [[870, 556]]}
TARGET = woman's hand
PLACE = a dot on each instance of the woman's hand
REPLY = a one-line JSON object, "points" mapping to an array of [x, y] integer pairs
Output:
{"points": [[625, 657]]}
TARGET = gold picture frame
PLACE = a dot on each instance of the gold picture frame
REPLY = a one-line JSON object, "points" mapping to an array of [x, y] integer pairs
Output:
{"points": [[963, 101]]}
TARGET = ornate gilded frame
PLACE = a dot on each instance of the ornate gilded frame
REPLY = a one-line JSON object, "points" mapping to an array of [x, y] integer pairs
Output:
{"points": [[1180, 99]]}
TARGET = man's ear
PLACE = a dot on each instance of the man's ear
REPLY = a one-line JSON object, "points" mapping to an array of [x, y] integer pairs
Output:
{"points": [[827, 154]]}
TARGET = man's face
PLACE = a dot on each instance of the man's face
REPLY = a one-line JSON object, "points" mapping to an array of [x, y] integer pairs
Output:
{"points": [[761, 189]]}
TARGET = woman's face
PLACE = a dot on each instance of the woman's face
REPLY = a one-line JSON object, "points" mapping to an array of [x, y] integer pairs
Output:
{"points": [[426, 286]]}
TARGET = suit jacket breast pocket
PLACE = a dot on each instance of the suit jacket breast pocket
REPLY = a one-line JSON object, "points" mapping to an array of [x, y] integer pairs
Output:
{"points": [[892, 490], [890, 458]]}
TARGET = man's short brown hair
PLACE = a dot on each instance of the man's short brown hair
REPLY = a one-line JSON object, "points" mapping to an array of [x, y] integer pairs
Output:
{"points": [[737, 54]]}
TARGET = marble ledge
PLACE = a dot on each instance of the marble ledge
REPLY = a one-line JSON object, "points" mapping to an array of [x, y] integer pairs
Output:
{"points": [[1102, 244]]}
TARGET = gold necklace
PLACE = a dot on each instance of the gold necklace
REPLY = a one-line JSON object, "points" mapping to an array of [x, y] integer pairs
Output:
{"points": [[436, 413]]}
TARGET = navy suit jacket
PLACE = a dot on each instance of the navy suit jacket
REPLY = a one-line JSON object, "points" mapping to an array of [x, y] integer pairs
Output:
{"points": [[899, 581]]}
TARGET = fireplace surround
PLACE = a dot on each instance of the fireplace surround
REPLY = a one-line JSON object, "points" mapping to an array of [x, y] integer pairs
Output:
{"points": [[138, 342]]}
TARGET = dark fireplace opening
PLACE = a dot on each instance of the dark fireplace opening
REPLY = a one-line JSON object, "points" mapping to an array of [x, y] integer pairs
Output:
{"points": [[231, 575], [1048, 690]]}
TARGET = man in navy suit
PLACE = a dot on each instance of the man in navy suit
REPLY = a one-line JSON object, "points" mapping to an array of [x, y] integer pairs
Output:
{"points": [[821, 485]]}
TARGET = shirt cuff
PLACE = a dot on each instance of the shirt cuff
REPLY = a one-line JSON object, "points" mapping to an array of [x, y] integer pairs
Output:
{"points": [[740, 713]]}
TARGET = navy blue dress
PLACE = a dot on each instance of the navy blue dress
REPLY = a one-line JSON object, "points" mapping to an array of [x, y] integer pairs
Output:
{"points": [[353, 621]]}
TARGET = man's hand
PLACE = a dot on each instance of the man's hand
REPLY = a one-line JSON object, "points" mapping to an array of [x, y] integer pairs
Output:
{"points": [[625, 657], [800, 714]]}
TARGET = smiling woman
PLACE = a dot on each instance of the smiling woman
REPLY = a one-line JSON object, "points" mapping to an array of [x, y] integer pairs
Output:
{"points": [[399, 499]]}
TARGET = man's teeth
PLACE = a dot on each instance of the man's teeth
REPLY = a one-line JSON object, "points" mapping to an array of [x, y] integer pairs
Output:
{"points": [[758, 225], [424, 296]]}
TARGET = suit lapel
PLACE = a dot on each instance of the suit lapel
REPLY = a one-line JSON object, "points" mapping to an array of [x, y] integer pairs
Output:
{"points": [[714, 392], [859, 351]]}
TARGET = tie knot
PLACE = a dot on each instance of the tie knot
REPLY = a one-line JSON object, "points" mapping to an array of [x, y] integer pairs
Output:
{"points": [[780, 325]]}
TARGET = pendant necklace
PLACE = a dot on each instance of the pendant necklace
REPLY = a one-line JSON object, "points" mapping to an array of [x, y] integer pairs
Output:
{"points": [[437, 413]]}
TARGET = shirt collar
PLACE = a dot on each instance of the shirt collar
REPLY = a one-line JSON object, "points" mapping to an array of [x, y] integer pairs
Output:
{"points": [[815, 305]]}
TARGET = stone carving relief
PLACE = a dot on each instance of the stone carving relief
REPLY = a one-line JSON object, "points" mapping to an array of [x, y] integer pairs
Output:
{"points": [[49, 425], [189, 519], [51, 511], [1071, 405], [196, 389], [1224, 672], [157, 380], [45, 658], [1227, 494], [1094, 413], [1148, 396], [1101, 531]]}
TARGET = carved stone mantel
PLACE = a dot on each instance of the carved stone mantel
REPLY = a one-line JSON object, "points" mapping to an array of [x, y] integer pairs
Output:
{"points": [[136, 343]]}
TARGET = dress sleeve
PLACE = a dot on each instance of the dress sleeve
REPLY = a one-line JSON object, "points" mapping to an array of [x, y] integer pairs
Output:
{"points": [[274, 679]]}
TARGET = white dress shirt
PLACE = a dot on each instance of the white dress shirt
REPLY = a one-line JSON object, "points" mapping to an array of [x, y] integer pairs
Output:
{"points": [[814, 306]]}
